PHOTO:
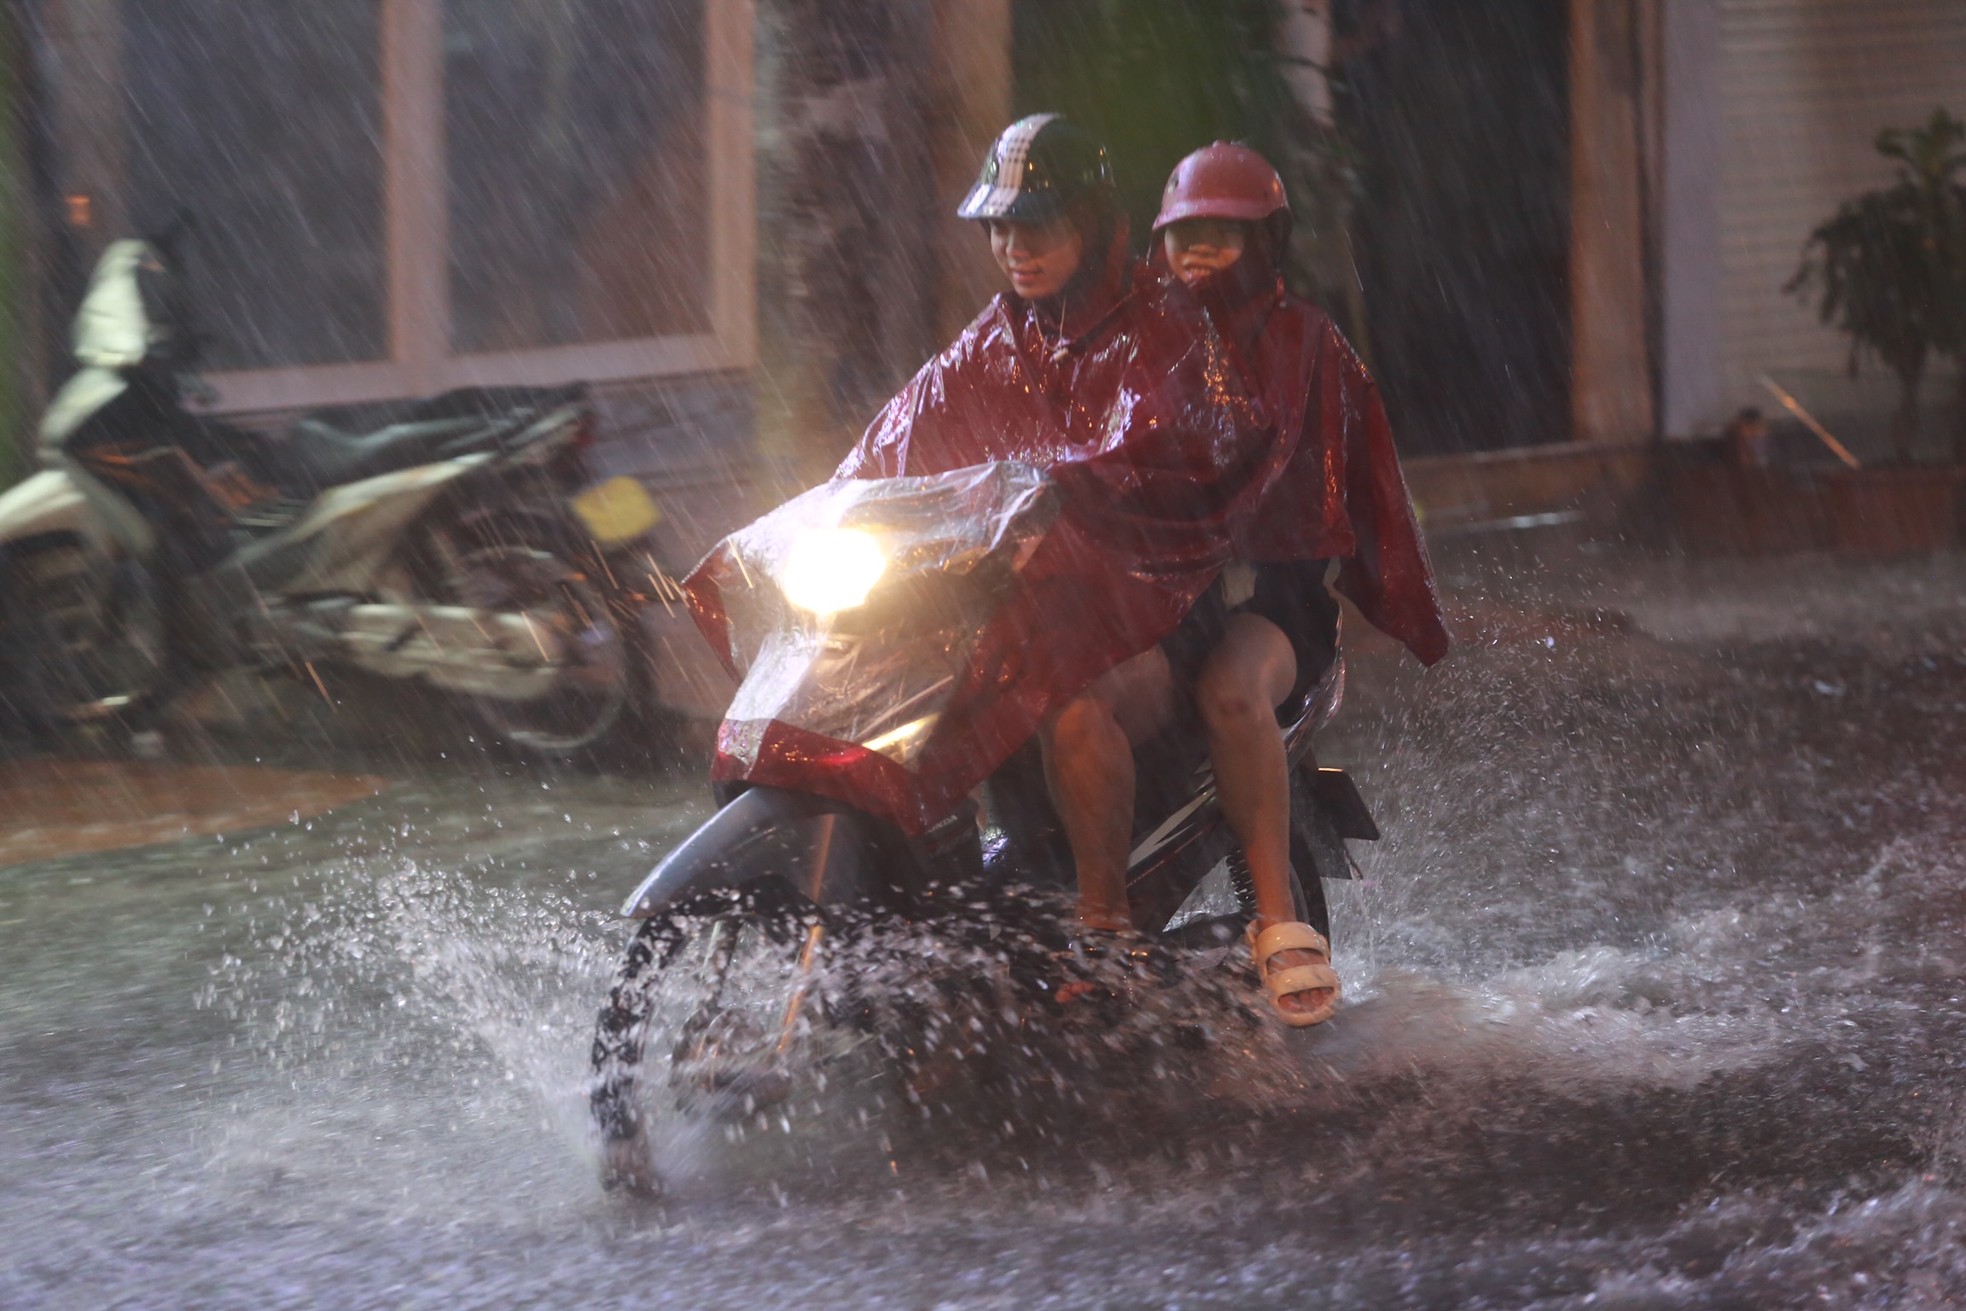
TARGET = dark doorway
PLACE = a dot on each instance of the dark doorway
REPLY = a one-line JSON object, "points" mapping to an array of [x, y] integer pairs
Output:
{"points": [[1460, 113]]}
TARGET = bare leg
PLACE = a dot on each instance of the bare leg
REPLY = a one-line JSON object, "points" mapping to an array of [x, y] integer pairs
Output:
{"points": [[1088, 758], [1245, 679]]}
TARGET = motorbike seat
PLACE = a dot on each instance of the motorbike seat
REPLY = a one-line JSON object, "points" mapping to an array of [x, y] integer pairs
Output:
{"points": [[334, 447], [329, 456]]}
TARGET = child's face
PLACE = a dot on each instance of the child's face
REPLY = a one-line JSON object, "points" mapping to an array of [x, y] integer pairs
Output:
{"points": [[1201, 246], [1038, 258]]}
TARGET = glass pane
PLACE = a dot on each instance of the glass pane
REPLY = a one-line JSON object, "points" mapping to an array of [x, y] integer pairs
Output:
{"points": [[264, 121], [578, 180]]}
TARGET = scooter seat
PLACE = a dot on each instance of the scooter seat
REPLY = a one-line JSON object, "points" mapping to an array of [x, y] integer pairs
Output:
{"points": [[333, 447], [323, 455]]}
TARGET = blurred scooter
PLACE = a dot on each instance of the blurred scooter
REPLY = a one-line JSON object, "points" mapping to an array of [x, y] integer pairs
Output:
{"points": [[458, 540]]}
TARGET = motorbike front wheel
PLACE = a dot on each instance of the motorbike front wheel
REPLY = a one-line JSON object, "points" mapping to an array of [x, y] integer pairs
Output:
{"points": [[84, 638], [544, 577], [725, 986]]}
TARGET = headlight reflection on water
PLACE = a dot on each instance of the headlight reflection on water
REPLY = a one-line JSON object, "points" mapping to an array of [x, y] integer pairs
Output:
{"points": [[831, 569]]}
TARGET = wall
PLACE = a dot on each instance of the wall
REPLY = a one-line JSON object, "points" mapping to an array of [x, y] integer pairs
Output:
{"points": [[1589, 482], [16, 441]]}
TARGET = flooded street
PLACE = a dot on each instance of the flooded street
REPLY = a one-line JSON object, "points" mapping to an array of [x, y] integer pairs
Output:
{"points": [[1656, 997]]}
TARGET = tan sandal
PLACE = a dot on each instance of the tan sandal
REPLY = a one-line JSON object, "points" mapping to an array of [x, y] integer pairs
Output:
{"points": [[1295, 980]]}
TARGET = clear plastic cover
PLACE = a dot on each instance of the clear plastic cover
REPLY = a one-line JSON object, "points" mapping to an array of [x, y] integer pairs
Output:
{"points": [[935, 557]]}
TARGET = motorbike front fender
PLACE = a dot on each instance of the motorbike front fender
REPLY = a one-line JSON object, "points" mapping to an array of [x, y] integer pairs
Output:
{"points": [[818, 849]]}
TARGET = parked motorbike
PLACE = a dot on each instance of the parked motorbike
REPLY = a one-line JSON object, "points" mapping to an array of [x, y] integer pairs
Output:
{"points": [[459, 541], [853, 611]]}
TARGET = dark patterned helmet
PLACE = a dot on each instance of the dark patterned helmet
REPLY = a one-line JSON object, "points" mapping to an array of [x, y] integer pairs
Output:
{"points": [[1035, 170]]}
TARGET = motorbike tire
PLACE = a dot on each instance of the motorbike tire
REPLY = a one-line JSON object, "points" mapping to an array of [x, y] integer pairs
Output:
{"points": [[1312, 908], [546, 570], [689, 957], [1306, 892], [84, 640]]}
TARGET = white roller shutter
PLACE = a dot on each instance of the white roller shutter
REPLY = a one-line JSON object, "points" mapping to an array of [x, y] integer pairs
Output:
{"points": [[1805, 87]]}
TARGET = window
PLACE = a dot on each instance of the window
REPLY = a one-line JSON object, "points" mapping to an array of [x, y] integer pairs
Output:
{"points": [[394, 197], [273, 154]]}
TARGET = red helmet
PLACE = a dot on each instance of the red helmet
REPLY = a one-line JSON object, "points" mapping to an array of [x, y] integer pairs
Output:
{"points": [[1222, 181]]}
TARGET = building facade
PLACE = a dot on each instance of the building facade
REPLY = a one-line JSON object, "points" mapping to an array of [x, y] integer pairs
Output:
{"points": [[732, 216]]}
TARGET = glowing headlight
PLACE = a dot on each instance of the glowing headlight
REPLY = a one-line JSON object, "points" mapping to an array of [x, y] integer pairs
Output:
{"points": [[831, 569]]}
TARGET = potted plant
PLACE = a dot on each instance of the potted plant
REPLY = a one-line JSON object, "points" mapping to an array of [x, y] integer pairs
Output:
{"points": [[1889, 269]]}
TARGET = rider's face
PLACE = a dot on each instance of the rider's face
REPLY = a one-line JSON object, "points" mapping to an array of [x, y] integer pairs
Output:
{"points": [[1038, 258], [1198, 247]]}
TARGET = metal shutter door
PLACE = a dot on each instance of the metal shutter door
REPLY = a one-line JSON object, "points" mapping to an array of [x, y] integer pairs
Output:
{"points": [[1805, 87]]}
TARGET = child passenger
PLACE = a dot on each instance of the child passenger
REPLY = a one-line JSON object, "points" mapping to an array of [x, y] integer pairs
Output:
{"points": [[1222, 230]]}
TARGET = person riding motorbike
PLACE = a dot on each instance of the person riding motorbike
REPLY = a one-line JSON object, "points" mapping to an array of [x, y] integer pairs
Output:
{"points": [[1114, 380], [1090, 370], [1042, 248], [1222, 231]]}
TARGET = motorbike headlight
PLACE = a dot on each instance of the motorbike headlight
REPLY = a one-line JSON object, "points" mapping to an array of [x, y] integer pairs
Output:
{"points": [[831, 569]]}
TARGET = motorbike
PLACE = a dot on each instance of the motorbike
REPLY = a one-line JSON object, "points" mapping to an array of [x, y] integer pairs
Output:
{"points": [[852, 612], [458, 541]]}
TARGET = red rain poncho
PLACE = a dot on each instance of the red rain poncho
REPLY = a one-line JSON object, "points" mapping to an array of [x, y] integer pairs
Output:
{"points": [[1168, 468], [1335, 491]]}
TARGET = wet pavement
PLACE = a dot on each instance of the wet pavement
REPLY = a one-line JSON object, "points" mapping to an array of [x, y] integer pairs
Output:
{"points": [[58, 807], [1656, 998]]}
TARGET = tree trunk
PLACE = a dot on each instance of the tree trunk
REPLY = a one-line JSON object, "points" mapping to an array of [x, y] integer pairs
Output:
{"points": [[1322, 248], [1904, 424], [845, 219]]}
